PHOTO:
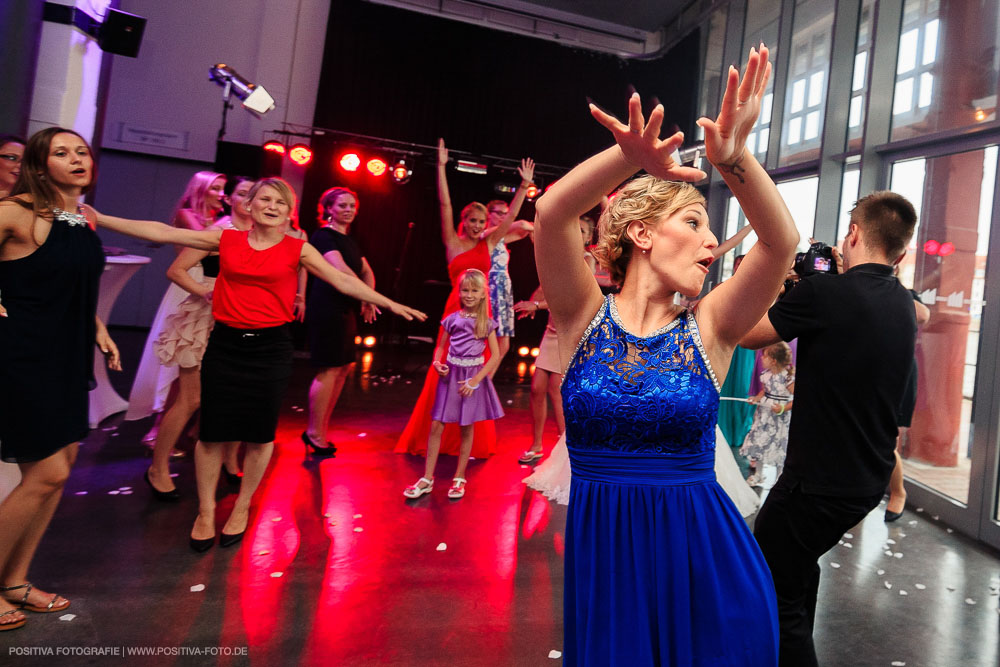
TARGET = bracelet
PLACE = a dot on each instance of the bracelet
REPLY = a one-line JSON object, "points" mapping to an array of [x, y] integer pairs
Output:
{"points": [[537, 307], [470, 386], [782, 410], [525, 184]]}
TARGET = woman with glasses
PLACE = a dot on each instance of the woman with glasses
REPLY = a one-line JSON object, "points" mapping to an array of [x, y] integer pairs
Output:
{"points": [[11, 150]]}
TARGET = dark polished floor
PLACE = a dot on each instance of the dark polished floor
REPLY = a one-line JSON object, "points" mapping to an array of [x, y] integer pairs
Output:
{"points": [[339, 569]]}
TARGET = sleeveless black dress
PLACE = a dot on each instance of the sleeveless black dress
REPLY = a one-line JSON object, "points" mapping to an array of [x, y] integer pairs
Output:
{"points": [[47, 341]]}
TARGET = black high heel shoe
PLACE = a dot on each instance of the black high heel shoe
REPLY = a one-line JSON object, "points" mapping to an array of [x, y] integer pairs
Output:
{"points": [[228, 540], [201, 546], [329, 450], [171, 496]]}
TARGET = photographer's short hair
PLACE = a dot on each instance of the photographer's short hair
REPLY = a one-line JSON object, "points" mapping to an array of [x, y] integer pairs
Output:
{"points": [[888, 220], [645, 199]]}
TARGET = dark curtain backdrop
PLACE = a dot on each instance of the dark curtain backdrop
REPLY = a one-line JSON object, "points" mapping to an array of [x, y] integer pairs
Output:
{"points": [[409, 77]]}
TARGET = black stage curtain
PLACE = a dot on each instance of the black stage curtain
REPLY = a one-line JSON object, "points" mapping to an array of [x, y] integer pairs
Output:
{"points": [[402, 75]]}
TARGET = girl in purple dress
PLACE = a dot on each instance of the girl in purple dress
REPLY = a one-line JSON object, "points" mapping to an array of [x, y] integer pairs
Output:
{"points": [[465, 394]]}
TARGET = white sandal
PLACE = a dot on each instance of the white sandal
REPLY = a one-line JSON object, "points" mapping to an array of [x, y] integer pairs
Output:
{"points": [[415, 491], [457, 489]]}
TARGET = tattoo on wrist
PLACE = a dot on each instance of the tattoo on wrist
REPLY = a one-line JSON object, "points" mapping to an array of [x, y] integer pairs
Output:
{"points": [[734, 168]]}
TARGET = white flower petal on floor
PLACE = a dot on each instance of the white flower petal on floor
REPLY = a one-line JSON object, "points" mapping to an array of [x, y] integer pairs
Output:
{"points": [[358, 529], [357, 516], [970, 601], [67, 617], [198, 588], [442, 546], [277, 575], [554, 654], [835, 566], [887, 585], [919, 587]]}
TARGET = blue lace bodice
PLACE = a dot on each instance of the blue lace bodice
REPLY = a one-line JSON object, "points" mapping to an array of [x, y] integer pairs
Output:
{"points": [[651, 394]]}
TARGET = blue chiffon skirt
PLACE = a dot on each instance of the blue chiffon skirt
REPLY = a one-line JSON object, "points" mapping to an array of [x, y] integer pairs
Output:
{"points": [[661, 568]]}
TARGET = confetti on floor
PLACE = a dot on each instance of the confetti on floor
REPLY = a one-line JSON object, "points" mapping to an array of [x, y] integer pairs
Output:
{"points": [[835, 566], [277, 575], [276, 519], [919, 510], [554, 654], [442, 546], [114, 493], [880, 572], [898, 663], [919, 587], [67, 617], [902, 592], [198, 588], [358, 529], [357, 516], [327, 515], [81, 493], [913, 523], [887, 585], [263, 552], [848, 545], [124, 488], [362, 435], [897, 555], [890, 541], [969, 601], [174, 474]]}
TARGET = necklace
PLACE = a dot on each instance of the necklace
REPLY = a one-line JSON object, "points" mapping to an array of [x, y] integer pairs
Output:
{"points": [[72, 219]]}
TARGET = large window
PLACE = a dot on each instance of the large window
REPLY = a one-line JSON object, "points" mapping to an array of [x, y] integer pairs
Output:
{"points": [[763, 17], [809, 70], [859, 81], [711, 79], [941, 87]]}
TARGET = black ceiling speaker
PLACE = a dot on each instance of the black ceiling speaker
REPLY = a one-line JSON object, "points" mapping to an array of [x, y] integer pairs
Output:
{"points": [[121, 33]]}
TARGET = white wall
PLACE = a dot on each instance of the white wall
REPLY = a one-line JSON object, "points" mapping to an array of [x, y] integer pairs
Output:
{"points": [[278, 45], [66, 78]]}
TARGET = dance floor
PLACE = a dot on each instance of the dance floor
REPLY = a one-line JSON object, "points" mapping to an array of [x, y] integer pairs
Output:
{"points": [[339, 569]]}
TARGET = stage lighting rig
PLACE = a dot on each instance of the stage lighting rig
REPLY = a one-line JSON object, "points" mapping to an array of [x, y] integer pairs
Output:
{"points": [[401, 172]]}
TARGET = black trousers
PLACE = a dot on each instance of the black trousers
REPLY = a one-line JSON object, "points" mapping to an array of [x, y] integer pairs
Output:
{"points": [[793, 530]]}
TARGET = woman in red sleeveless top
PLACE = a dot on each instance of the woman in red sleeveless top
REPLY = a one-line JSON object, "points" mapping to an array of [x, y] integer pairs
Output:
{"points": [[248, 360], [465, 250]]}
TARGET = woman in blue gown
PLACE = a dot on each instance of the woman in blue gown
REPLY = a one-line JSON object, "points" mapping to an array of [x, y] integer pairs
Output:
{"points": [[660, 566]]}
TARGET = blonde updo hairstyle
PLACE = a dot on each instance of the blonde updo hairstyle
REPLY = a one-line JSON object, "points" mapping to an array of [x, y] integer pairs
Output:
{"points": [[644, 199], [467, 210]]}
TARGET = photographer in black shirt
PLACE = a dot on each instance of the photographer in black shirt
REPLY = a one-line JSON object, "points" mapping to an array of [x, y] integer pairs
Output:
{"points": [[856, 336]]}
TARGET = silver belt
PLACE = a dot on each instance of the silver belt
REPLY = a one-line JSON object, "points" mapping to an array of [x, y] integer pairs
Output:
{"points": [[465, 361]]}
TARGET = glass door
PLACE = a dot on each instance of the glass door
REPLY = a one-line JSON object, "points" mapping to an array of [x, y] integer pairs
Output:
{"points": [[952, 441]]}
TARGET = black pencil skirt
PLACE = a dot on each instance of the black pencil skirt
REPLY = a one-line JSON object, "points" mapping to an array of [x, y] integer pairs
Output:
{"points": [[244, 375]]}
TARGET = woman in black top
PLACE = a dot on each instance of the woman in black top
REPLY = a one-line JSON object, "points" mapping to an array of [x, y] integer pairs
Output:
{"points": [[331, 317], [50, 268]]}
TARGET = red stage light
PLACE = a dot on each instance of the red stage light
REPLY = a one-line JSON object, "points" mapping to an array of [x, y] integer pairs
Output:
{"points": [[350, 162], [931, 247], [300, 154], [532, 192], [376, 167], [275, 147], [946, 249]]}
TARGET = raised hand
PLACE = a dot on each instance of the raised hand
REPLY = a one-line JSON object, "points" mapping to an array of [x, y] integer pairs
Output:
{"points": [[442, 153], [527, 170], [641, 145], [726, 136]]}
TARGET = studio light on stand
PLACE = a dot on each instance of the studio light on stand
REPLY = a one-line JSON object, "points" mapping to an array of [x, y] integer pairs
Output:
{"points": [[256, 100], [690, 156]]}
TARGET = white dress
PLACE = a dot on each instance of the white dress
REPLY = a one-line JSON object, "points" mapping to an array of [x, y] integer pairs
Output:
{"points": [[152, 380], [552, 476]]}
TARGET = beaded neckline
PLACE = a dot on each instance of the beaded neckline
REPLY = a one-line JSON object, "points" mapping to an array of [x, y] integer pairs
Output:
{"points": [[662, 330], [72, 219]]}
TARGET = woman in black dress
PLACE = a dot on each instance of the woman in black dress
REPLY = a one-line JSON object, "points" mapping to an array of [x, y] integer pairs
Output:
{"points": [[50, 267], [331, 316]]}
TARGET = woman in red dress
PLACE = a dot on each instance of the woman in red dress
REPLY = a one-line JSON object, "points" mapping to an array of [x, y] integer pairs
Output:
{"points": [[465, 250]]}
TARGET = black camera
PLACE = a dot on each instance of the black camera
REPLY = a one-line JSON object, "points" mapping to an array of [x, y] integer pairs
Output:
{"points": [[818, 259]]}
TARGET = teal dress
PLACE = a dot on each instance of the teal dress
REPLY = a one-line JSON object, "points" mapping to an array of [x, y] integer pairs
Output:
{"points": [[736, 417]]}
